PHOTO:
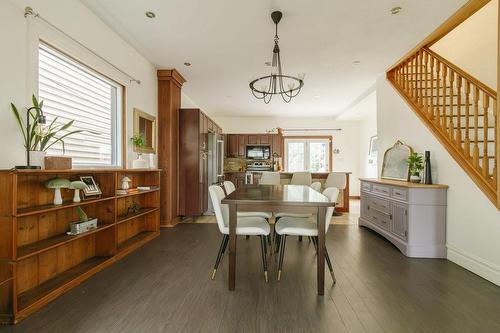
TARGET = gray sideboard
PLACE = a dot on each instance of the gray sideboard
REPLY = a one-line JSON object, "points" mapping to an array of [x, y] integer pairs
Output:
{"points": [[411, 216]]}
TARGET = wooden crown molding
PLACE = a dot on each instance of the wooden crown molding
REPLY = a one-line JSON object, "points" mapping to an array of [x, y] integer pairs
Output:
{"points": [[171, 75]]}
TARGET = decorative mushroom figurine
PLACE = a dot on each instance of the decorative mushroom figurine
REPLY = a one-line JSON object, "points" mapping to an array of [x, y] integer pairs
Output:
{"points": [[125, 183], [77, 185], [57, 184]]}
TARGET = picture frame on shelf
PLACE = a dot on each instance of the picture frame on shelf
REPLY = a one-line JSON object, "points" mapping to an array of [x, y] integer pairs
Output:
{"points": [[92, 189]]}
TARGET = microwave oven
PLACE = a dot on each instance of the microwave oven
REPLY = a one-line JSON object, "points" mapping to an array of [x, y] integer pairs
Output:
{"points": [[258, 152]]}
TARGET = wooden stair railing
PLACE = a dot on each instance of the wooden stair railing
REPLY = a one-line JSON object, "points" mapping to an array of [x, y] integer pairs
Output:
{"points": [[459, 109]]}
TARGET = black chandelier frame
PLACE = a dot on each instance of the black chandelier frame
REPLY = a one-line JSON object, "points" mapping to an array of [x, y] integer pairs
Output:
{"points": [[274, 83]]}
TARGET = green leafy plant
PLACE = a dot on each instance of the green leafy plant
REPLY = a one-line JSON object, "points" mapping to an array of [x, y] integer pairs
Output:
{"points": [[81, 214], [415, 164], [138, 141], [55, 132]]}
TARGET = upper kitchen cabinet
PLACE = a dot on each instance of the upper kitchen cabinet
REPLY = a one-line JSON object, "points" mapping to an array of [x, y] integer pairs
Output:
{"points": [[242, 145], [277, 144], [253, 139], [232, 145], [265, 139]]}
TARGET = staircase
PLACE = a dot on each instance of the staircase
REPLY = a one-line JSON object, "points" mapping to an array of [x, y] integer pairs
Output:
{"points": [[459, 109]]}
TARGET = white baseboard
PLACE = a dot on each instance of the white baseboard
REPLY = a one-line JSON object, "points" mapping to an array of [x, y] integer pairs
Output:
{"points": [[476, 265]]}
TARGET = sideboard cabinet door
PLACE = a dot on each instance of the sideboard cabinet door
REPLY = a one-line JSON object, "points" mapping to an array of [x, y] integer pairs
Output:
{"points": [[400, 220]]}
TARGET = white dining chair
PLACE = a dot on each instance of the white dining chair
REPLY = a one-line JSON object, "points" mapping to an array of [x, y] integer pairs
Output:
{"points": [[316, 186], [248, 226], [301, 178], [336, 179], [230, 188], [300, 226], [270, 178]]}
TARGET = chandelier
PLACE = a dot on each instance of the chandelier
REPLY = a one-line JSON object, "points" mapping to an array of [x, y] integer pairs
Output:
{"points": [[276, 83]]}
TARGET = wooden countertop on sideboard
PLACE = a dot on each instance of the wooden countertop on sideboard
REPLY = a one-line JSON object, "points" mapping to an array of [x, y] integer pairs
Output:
{"points": [[401, 183]]}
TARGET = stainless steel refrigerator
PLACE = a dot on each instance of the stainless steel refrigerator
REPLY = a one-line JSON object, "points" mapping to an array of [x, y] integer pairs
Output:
{"points": [[215, 161]]}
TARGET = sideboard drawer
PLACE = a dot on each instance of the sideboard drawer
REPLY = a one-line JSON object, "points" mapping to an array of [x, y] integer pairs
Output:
{"points": [[381, 219], [381, 189], [366, 187], [400, 193], [381, 205]]}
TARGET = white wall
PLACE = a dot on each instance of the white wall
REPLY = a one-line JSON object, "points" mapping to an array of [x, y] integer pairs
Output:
{"points": [[18, 62], [347, 140], [473, 222], [472, 45], [367, 128]]}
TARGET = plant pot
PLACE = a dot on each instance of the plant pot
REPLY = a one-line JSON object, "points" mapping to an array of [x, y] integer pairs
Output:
{"points": [[37, 158], [140, 163], [415, 179]]}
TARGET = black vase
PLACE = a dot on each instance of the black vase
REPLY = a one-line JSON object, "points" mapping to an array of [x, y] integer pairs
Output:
{"points": [[427, 168]]}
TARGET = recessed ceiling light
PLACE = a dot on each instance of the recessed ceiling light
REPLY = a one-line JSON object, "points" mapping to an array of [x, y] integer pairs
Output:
{"points": [[229, 96], [395, 10], [150, 15], [187, 64], [316, 96], [356, 62]]}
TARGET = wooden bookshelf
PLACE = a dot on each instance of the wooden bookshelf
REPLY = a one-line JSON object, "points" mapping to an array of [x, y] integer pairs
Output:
{"points": [[39, 261]]}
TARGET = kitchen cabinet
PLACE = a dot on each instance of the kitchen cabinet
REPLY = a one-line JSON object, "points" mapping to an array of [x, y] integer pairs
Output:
{"points": [[265, 139], [237, 178], [194, 127], [242, 145], [253, 139], [277, 144], [232, 145]]}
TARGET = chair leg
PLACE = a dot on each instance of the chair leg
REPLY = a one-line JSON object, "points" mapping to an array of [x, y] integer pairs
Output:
{"points": [[247, 237], [315, 244], [327, 258], [309, 239], [277, 242], [222, 248], [264, 257], [282, 254], [300, 238], [329, 263]]}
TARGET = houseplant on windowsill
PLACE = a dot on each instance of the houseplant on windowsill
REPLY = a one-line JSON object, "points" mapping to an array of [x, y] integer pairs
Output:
{"points": [[139, 142], [39, 136], [415, 165]]}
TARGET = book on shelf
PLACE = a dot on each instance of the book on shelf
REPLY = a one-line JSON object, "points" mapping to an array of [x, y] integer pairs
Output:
{"points": [[147, 188], [127, 191]]}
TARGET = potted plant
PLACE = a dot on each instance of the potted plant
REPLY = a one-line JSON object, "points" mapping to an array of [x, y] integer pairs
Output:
{"points": [[415, 165], [138, 142], [39, 136]]}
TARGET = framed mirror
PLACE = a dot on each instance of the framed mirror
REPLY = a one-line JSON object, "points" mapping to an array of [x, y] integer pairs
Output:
{"points": [[145, 125], [395, 165]]}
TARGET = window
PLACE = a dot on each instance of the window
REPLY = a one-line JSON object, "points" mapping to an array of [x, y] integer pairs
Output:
{"points": [[307, 154], [71, 91]]}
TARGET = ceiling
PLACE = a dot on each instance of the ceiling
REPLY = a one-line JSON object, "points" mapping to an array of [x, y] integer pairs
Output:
{"points": [[227, 42]]}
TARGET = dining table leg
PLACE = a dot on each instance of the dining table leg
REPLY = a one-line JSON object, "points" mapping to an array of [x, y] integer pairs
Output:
{"points": [[232, 245], [321, 216]]}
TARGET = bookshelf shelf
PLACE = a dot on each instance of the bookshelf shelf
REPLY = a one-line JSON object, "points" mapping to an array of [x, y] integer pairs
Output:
{"points": [[39, 261]]}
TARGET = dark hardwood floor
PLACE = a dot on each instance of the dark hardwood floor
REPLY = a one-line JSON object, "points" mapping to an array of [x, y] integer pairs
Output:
{"points": [[165, 287]]}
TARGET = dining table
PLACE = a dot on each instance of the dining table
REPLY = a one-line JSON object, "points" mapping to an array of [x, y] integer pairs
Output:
{"points": [[277, 199]]}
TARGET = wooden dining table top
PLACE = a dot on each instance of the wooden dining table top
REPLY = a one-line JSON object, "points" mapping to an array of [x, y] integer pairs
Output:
{"points": [[293, 195]]}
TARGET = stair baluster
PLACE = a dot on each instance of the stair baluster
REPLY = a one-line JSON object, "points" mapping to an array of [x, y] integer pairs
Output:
{"points": [[475, 149], [486, 164]]}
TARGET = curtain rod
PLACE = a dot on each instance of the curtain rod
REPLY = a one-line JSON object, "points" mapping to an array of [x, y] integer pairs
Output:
{"points": [[310, 129], [28, 11]]}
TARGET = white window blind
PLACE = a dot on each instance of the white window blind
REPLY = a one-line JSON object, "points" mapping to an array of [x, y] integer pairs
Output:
{"points": [[71, 91], [307, 155]]}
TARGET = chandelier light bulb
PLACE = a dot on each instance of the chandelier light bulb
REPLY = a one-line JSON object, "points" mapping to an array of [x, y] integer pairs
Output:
{"points": [[41, 129]]}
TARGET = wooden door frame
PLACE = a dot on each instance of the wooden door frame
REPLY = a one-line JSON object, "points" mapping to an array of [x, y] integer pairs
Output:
{"points": [[309, 137]]}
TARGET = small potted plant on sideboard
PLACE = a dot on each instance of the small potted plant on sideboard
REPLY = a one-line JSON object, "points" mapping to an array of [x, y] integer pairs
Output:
{"points": [[416, 165]]}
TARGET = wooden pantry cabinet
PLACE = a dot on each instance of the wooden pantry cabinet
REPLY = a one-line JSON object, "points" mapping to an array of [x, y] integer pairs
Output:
{"points": [[39, 261], [194, 127]]}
